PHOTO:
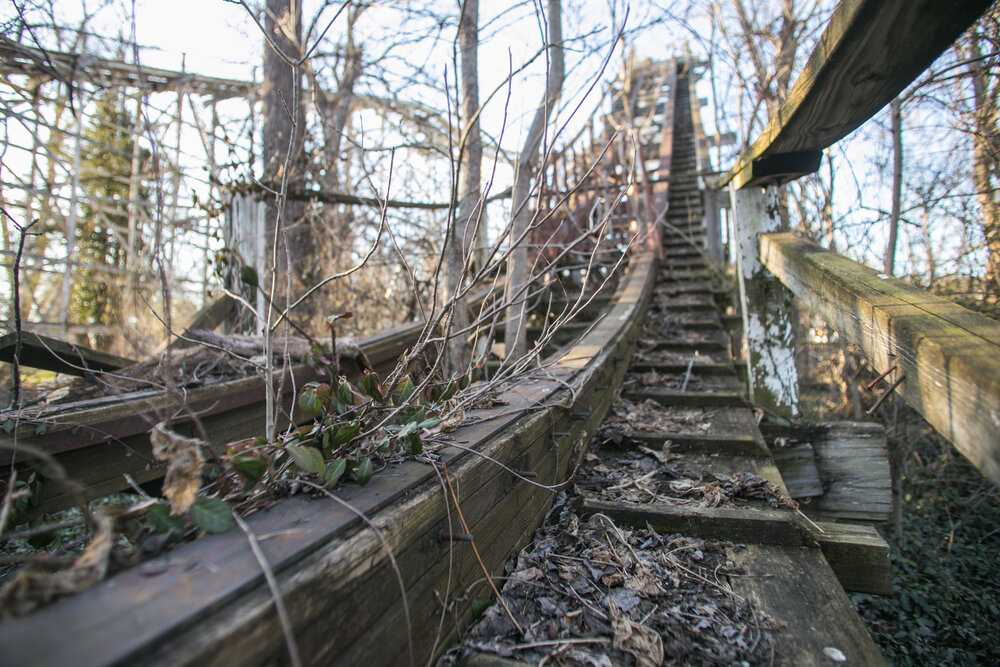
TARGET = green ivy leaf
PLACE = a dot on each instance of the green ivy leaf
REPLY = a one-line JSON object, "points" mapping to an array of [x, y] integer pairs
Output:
{"points": [[250, 465], [404, 390], [364, 470], [369, 386], [345, 434], [479, 605], [212, 515], [413, 443], [344, 393], [429, 423], [308, 459], [8, 425], [383, 445], [161, 520], [249, 275], [450, 391], [408, 428], [334, 470], [310, 400]]}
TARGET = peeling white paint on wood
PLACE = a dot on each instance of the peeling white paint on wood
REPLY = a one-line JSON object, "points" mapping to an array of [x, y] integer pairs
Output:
{"points": [[768, 334]]}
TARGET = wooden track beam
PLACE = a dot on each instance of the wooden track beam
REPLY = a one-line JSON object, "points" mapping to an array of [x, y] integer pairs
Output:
{"points": [[870, 51], [950, 355]]}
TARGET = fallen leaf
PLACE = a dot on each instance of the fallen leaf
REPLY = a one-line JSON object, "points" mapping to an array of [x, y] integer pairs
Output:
{"points": [[643, 643], [29, 590], [452, 421], [183, 457]]}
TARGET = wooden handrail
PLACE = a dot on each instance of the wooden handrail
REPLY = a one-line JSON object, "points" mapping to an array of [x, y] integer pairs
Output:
{"points": [[870, 51], [950, 355]]}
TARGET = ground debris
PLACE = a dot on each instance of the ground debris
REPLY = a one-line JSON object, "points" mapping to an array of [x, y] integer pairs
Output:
{"points": [[645, 475], [649, 354], [592, 593], [32, 588], [648, 415]]}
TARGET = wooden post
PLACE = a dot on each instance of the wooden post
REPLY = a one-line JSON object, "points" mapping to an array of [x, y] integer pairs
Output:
{"points": [[768, 331], [713, 230]]}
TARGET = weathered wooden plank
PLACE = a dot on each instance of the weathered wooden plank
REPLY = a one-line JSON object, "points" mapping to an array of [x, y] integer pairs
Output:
{"points": [[797, 464], [750, 525], [689, 398], [870, 51], [858, 556], [57, 355], [683, 443], [853, 463], [99, 444], [220, 310], [796, 587], [951, 356]]}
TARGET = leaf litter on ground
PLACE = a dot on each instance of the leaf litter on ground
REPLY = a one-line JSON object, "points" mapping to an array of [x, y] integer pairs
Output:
{"points": [[588, 592]]}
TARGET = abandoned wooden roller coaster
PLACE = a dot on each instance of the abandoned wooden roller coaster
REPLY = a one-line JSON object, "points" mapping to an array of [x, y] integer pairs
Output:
{"points": [[636, 432]]}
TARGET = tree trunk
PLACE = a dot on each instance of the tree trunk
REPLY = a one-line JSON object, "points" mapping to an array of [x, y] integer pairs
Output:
{"points": [[895, 111], [282, 136], [986, 148], [468, 229], [515, 336]]}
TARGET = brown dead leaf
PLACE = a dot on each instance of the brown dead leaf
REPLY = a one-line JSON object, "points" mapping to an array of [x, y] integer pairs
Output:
{"points": [[643, 643], [645, 581], [29, 589], [452, 421], [183, 457]]}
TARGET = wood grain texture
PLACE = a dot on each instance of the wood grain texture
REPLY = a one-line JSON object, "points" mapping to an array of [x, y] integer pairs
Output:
{"points": [[796, 586], [750, 525], [858, 556], [950, 355], [870, 51]]}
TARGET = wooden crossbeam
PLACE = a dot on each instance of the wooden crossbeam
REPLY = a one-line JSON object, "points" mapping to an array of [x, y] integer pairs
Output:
{"points": [[858, 555], [949, 355], [59, 356]]}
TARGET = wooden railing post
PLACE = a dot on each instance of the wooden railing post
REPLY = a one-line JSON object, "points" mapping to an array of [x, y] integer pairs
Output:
{"points": [[768, 332]]}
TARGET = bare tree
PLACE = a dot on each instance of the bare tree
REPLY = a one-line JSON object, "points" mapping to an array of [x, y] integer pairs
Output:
{"points": [[467, 231], [983, 43], [282, 136], [515, 335], [895, 112]]}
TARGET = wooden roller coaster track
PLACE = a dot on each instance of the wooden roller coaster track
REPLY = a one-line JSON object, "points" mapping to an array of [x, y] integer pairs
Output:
{"points": [[386, 573]]}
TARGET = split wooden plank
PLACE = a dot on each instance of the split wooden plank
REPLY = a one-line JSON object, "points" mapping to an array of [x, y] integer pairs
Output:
{"points": [[950, 355], [796, 587], [797, 464], [870, 51], [59, 356], [220, 310]]}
